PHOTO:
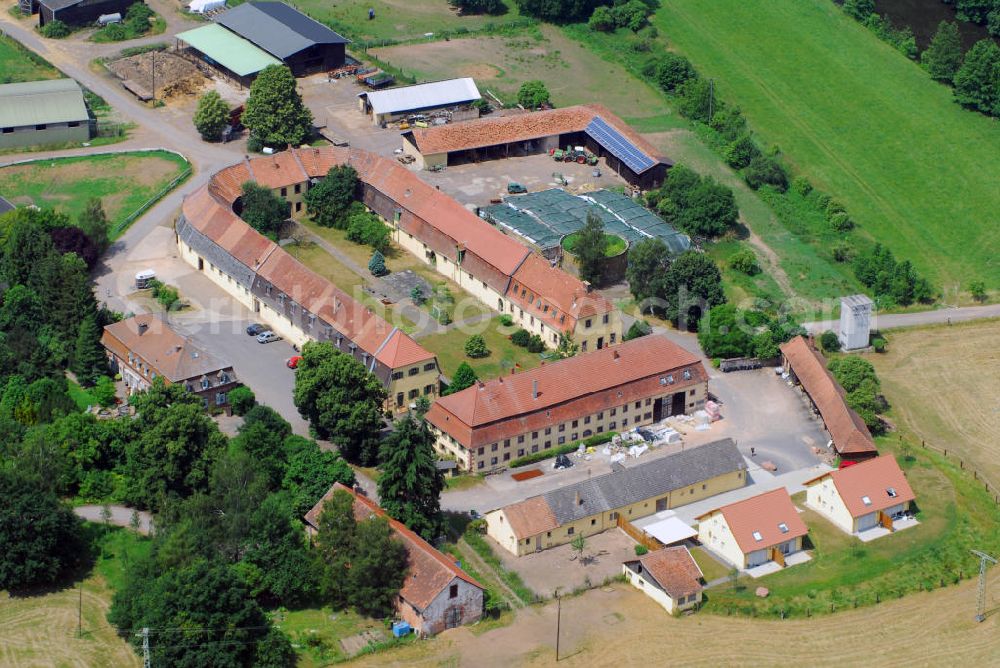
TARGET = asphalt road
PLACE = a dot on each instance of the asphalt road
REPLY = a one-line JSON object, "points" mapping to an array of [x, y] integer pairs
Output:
{"points": [[899, 320]]}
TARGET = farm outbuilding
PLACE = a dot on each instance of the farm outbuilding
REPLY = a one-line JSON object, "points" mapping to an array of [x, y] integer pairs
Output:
{"points": [[303, 44], [669, 576], [43, 112], [592, 126], [79, 12], [385, 106], [234, 56]]}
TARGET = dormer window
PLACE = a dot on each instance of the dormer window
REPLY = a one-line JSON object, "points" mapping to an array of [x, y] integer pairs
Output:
{"points": [[225, 377], [757, 536], [312, 319], [327, 331], [891, 492], [205, 383], [670, 379], [687, 374], [782, 527], [267, 290]]}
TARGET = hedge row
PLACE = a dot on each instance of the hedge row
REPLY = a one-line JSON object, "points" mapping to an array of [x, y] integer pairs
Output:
{"points": [[596, 439]]}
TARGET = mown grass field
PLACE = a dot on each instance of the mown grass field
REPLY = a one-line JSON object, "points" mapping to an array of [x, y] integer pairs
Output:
{"points": [[17, 64], [961, 357], [123, 182], [504, 355], [861, 121]]}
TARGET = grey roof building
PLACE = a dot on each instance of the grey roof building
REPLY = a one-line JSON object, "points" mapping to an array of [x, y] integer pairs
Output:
{"points": [[300, 42], [637, 483], [42, 112], [617, 498]]}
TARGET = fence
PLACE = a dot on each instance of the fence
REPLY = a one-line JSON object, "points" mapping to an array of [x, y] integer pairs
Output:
{"points": [[988, 484], [128, 220], [638, 535]]}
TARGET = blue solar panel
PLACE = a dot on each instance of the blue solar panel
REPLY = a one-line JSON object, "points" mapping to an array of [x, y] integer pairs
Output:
{"points": [[621, 148]]}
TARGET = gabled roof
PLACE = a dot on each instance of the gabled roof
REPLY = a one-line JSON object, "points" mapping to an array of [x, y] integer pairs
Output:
{"points": [[674, 569], [275, 27], [236, 54], [551, 384], [865, 487], [173, 356], [529, 126], [562, 293], [770, 515], [849, 433], [423, 96], [621, 488], [41, 102], [429, 571]]}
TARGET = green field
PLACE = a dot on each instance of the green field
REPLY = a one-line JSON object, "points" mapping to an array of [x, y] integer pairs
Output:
{"points": [[861, 121], [17, 64], [397, 20], [123, 181]]}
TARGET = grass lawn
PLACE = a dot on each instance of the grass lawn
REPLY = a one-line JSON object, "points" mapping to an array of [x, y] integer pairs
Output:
{"points": [[572, 73], [18, 64], [316, 633], [124, 182], [955, 516], [860, 120], [81, 397], [504, 355], [741, 288], [398, 20], [613, 244], [157, 27], [460, 482], [710, 568], [324, 264]]}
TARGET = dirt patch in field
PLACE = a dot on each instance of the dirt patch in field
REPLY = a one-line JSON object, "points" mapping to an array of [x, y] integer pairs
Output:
{"points": [[175, 76], [480, 71]]}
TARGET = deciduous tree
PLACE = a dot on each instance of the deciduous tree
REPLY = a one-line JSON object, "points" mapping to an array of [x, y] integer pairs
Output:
{"points": [[589, 249], [262, 209], [274, 111], [465, 376], [341, 399], [211, 116], [329, 201], [311, 472], [532, 94]]}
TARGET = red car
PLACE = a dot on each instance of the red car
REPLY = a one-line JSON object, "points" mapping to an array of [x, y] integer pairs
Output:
{"points": [[293, 362]]}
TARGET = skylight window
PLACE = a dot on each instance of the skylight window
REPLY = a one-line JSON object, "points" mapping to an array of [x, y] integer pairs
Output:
{"points": [[757, 536], [782, 527], [891, 492], [866, 500]]}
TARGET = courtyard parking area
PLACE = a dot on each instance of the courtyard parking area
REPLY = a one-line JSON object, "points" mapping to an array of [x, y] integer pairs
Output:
{"points": [[564, 569]]}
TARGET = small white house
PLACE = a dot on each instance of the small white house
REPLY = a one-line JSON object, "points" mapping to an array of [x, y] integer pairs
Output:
{"points": [[754, 531], [863, 496], [669, 576]]}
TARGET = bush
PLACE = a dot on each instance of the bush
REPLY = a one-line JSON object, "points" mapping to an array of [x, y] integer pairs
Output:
{"points": [[506, 320], [521, 338], [476, 6], [535, 344], [55, 30], [841, 222], [842, 251], [365, 228], [765, 170], [978, 290], [242, 399], [166, 295], [105, 392], [830, 342], [114, 32], [878, 343], [475, 347], [602, 20], [641, 550], [637, 329], [532, 94], [801, 185], [376, 265], [741, 152], [592, 441], [745, 261]]}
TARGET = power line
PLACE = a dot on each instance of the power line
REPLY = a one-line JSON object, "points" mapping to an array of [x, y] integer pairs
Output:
{"points": [[981, 593]]}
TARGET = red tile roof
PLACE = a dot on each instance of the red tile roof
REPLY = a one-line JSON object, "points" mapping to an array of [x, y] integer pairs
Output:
{"points": [[762, 514], [871, 479], [165, 351], [530, 517], [849, 433], [570, 388], [522, 127], [567, 297], [429, 571], [674, 569], [209, 210]]}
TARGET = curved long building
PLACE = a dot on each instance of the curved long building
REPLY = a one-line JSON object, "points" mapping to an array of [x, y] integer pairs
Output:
{"points": [[497, 269]]}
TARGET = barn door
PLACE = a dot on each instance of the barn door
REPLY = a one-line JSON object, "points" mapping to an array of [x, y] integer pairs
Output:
{"points": [[452, 617]]}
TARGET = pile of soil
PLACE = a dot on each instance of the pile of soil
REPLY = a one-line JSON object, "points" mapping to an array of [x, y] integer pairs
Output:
{"points": [[174, 75]]}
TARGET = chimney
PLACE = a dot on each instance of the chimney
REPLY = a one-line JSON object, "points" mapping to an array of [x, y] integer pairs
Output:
{"points": [[143, 326], [512, 371], [534, 389], [500, 379], [615, 355], [587, 286], [579, 501], [480, 384]]}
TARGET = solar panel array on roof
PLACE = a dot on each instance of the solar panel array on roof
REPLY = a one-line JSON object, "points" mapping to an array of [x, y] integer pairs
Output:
{"points": [[545, 217], [621, 148]]}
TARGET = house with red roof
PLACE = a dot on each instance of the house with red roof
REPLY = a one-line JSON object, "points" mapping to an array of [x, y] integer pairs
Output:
{"points": [[637, 383], [436, 594], [870, 494], [669, 576], [754, 531]]}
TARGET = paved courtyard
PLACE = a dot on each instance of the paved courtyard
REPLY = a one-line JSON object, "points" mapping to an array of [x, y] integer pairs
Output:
{"points": [[560, 567]]}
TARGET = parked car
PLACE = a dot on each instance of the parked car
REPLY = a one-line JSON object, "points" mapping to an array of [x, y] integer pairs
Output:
{"points": [[255, 329], [293, 361], [267, 337]]}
